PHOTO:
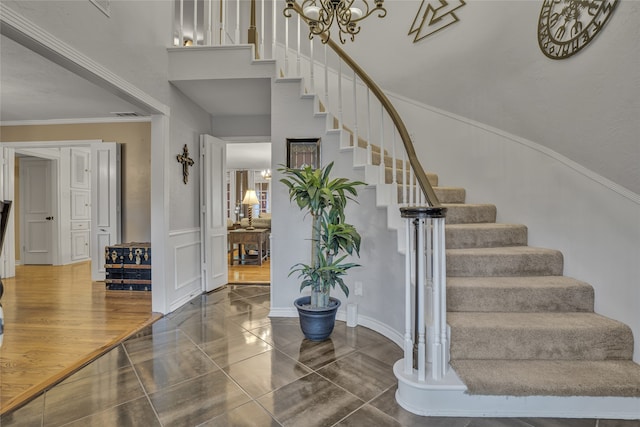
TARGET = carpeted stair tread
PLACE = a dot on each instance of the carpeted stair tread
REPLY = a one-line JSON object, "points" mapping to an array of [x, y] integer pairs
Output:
{"points": [[504, 261], [450, 194], [376, 159], [459, 213], [562, 336], [619, 378], [444, 194], [485, 235], [388, 175], [519, 294]]}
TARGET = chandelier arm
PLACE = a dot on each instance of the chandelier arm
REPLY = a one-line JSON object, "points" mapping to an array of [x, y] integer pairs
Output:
{"points": [[320, 15]]}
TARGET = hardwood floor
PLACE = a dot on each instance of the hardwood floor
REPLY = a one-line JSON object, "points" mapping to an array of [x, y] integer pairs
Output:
{"points": [[57, 320], [250, 274]]}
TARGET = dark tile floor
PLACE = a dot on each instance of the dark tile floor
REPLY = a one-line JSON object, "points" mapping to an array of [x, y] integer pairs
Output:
{"points": [[221, 361]]}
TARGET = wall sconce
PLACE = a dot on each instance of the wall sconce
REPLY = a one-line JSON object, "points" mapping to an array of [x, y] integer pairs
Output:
{"points": [[266, 174], [250, 199]]}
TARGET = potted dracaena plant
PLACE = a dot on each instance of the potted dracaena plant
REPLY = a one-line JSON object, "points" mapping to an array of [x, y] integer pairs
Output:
{"points": [[332, 240]]}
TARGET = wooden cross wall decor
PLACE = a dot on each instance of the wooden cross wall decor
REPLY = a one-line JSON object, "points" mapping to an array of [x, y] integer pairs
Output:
{"points": [[186, 162]]}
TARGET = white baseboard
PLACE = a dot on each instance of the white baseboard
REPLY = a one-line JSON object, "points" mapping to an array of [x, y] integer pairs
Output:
{"points": [[448, 398]]}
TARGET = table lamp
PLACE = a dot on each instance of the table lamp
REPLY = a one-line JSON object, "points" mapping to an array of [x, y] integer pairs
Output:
{"points": [[250, 199]]}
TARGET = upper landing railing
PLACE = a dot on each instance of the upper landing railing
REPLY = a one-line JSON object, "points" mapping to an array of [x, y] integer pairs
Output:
{"points": [[372, 127], [354, 99]]}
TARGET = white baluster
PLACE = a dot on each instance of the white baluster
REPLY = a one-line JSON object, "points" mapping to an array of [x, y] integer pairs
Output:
{"points": [[181, 29], [223, 21], [408, 342], [312, 80], [340, 122], [195, 23], [326, 79], [237, 40], [420, 303], [429, 319], [298, 73], [273, 30], [405, 179], [209, 24], [261, 29], [355, 110], [369, 153], [286, 47], [394, 167], [440, 351], [383, 171]]}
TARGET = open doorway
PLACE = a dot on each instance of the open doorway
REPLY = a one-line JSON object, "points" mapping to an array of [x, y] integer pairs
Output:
{"points": [[62, 215], [249, 173]]}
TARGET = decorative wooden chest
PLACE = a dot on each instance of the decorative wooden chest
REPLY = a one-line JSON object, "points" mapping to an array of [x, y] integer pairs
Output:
{"points": [[128, 267]]}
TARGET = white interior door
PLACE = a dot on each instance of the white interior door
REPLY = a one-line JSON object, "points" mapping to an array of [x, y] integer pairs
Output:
{"points": [[37, 211], [105, 203], [8, 257], [213, 221]]}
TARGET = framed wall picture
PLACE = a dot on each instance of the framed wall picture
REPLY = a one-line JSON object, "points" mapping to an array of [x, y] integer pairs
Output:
{"points": [[303, 152]]}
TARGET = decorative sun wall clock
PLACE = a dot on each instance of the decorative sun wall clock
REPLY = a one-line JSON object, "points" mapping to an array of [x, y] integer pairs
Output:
{"points": [[567, 26]]}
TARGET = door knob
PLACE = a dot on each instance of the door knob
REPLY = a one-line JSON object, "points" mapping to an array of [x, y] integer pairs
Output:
{"points": [[49, 218]]}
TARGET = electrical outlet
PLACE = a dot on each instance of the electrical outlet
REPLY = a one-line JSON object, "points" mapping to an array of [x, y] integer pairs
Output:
{"points": [[358, 286]]}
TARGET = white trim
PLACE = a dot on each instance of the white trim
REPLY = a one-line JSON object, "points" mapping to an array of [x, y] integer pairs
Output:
{"points": [[181, 301], [51, 144], [244, 139], [381, 328], [283, 312], [15, 26], [365, 321], [160, 214], [448, 398], [140, 119], [605, 182], [185, 231], [176, 250]]}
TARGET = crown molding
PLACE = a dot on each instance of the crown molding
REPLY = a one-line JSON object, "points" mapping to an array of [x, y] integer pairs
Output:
{"points": [[25, 32], [141, 119]]}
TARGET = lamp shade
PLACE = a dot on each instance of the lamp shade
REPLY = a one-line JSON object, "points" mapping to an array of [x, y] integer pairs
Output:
{"points": [[250, 198]]}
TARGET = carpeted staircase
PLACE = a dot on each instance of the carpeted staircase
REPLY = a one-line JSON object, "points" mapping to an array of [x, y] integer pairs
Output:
{"points": [[518, 326]]}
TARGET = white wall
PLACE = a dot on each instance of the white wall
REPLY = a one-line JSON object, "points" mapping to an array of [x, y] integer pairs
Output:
{"points": [[132, 44], [488, 67], [594, 222], [382, 268]]}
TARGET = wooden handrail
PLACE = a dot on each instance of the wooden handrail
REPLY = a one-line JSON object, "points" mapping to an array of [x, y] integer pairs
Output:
{"points": [[421, 176]]}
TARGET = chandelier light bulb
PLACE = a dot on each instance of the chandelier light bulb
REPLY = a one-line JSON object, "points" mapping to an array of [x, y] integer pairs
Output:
{"points": [[312, 12], [355, 13]]}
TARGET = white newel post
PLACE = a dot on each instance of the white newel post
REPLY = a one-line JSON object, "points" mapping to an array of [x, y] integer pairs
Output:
{"points": [[426, 354]]}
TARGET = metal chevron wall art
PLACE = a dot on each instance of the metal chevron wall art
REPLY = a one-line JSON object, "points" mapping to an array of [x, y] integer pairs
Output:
{"points": [[433, 16]]}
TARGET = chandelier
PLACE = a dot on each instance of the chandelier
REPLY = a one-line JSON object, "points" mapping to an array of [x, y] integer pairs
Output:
{"points": [[320, 15]]}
